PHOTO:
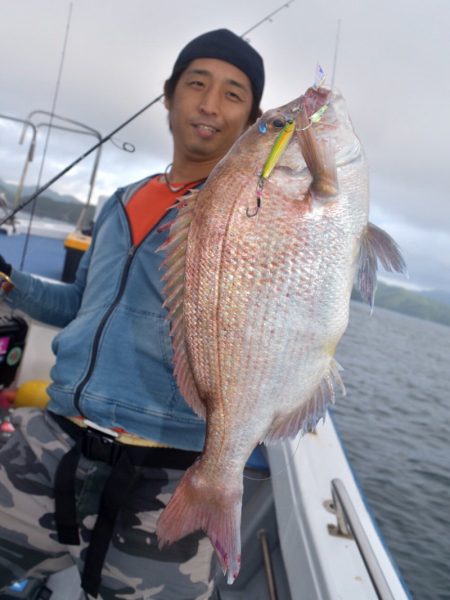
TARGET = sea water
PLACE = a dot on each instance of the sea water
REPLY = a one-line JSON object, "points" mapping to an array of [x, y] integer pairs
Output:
{"points": [[395, 426]]}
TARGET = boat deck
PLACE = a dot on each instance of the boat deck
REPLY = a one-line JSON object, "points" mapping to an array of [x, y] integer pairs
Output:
{"points": [[45, 256]]}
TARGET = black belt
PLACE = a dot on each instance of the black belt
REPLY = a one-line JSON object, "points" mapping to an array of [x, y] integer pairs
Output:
{"points": [[96, 445]]}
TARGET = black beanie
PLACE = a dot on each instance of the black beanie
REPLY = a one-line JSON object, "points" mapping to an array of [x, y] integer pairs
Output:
{"points": [[225, 45]]}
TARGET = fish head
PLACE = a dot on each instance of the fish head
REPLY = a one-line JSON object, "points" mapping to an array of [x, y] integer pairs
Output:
{"points": [[305, 151], [319, 109]]}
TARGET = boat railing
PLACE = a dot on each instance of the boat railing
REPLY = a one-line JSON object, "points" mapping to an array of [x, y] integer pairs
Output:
{"points": [[350, 526]]}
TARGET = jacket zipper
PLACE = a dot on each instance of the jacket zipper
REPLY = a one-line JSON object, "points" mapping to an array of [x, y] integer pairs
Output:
{"points": [[98, 333], [100, 328]]}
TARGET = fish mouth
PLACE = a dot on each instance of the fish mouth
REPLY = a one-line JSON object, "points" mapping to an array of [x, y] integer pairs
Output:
{"points": [[314, 99], [308, 105]]}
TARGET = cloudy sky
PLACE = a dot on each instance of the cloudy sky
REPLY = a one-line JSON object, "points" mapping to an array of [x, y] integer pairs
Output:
{"points": [[392, 67]]}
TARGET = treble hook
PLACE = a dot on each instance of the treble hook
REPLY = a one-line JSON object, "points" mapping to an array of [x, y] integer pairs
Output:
{"points": [[259, 190], [253, 214]]}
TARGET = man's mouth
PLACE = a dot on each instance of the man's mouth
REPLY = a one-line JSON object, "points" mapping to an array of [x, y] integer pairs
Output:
{"points": [[205, 130]]}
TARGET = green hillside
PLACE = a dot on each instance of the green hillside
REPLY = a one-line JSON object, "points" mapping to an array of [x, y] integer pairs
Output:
{"points": [[49, 204], [409, 303]]}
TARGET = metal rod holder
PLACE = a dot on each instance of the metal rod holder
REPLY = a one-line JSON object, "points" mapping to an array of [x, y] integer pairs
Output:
{"points": [[264, 541]]}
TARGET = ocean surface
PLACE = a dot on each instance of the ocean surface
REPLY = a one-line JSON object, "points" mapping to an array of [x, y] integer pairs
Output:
{"points": [[395, 426]]}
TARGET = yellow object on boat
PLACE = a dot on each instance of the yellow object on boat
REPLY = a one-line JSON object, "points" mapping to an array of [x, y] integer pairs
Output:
{"points": [[77, 241], [32, 393]]}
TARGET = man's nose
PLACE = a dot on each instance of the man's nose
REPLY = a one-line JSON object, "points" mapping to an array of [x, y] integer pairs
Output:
{"points": [[210, 102]]}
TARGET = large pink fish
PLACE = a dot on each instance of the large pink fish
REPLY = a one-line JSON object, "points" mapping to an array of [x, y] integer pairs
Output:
{"points": [[261, 264]]}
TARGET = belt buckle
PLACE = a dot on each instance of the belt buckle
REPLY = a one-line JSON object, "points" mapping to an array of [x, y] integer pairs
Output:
{"points": [[100, 445], [109, 432]]}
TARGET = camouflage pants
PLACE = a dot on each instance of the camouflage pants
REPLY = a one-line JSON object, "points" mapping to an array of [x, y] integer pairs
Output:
{"points": [[134, 567]]}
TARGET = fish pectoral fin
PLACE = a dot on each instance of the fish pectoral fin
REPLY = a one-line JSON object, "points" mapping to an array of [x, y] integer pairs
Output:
{"points": [[175, 264], [320, 160], [376, 245], [305, 418]]}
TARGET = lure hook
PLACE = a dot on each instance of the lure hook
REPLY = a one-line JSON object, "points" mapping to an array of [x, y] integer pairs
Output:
{"points": [[259, 190], [255, 211]]}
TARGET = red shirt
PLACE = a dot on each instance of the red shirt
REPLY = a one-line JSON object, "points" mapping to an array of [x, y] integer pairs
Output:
{"points": [[149, 204]]}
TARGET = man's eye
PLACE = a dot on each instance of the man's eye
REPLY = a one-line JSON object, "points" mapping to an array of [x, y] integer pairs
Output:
{"points": [[196, 83], [234, 96]]}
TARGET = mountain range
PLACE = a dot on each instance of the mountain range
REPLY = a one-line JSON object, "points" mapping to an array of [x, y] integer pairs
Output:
{"points": [[432, 305], [49, 204]]}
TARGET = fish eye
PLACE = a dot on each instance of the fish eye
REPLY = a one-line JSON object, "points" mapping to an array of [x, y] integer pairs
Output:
{"points": [[278, 123]]}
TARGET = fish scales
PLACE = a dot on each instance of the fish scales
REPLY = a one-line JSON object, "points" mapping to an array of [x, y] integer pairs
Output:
{"points": [[266, 301], [238, 308], [241, 276]]}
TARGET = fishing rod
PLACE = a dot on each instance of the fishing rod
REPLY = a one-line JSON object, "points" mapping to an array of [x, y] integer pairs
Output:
{"points": [[117, 129]]}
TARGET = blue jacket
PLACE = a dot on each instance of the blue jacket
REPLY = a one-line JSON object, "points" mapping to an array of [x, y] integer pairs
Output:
{"points": [[114, 355]]}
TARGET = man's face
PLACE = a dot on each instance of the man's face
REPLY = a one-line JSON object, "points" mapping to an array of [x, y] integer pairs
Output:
{"points": [[209, 110]]}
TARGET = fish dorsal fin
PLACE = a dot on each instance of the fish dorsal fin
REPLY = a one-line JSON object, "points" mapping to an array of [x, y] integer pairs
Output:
{"points": [[305, 418], [376, 245], [175, 262]]}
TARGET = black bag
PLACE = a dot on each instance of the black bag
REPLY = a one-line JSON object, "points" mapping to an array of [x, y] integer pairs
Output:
{"points": [[13, 332]]}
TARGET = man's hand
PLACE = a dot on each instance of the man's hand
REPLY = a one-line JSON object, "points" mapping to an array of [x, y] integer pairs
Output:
{"points": [[4, 266], [6, 285]]}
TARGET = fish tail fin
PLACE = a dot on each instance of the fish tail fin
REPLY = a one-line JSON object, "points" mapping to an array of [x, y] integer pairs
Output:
{"points": [[376, 245], [195, 505]]}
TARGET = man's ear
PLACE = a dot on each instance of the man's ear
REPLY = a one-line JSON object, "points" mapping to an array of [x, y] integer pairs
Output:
{"points": [[252, 121], [167, 95]]}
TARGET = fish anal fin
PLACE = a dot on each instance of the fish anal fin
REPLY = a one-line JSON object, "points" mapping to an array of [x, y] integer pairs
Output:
{"points": [[376, 246], [176, 247], [305, 418]]}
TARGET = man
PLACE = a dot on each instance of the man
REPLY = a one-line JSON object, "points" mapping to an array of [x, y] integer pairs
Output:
{"points": [[85, 481]]}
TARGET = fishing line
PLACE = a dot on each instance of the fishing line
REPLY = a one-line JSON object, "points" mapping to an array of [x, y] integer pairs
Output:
{"points": [[124, 124], [336, 48], [47, 139]]}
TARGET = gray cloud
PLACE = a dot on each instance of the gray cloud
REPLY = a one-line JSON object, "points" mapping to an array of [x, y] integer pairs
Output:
{"points": [[392, 67]]}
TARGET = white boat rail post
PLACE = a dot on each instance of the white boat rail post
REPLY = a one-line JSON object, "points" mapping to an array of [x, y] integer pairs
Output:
{"points": [[81, 218], [30, 153], [349, 524], [86, 129]]}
